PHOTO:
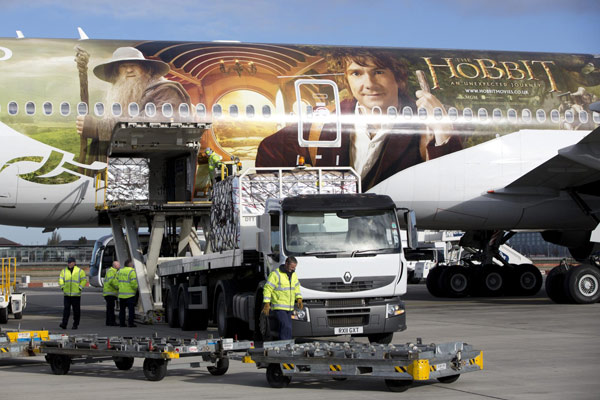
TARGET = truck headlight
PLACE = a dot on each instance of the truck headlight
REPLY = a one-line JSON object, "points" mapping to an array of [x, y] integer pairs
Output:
{"points": [[393, 310], [301, 315]]}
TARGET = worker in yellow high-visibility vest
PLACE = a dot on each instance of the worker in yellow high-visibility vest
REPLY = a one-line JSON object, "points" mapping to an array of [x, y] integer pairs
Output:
{"points": [[281, 291], [128, 286], [71, 280], [110, 291]]}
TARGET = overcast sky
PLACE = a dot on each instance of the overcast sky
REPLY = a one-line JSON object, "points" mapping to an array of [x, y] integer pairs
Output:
{"points": [[566, 26]]}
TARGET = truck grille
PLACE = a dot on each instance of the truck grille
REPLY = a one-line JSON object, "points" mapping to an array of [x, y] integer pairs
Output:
{"points": [[338, 322], [338, 285], [345, 303]]}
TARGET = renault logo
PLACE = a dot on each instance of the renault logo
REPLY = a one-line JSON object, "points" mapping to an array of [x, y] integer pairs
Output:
{"points": [[347, 277]]}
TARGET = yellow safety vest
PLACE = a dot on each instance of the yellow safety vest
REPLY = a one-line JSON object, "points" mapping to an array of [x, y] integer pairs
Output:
{"points": [[128, 283], [281, 291], [111, 285], [72, 282]]}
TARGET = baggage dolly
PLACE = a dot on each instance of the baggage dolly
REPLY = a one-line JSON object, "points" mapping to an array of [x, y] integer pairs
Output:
{"points": [[156, 352], [398, 365]]}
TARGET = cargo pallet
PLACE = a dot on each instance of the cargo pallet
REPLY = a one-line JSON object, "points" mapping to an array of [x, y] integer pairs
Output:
{"points": [[398, 365]]}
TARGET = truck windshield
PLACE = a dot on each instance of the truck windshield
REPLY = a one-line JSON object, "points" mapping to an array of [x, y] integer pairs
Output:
{"points": [[341, 232]]}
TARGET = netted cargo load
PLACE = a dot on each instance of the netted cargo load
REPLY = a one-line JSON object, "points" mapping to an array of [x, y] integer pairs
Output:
{"points": [[128, 180], [225, 216], [257, 188]]}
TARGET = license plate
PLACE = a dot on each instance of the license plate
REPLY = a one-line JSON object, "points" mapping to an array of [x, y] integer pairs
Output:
{"points": [[351, 330]]}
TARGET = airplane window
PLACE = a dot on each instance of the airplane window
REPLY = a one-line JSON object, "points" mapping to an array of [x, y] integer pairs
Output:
{"points": [[13, 108], [134, 109], [467, 114], [150, 109], [453, 113], [437, 113], [569, 116], [376, 111], [65, 109], [526, 115], [250, 111], [392, 111], [512, 115], [497, 114], [82, 109], [555, 116], [99, 109], [407, 112], [47, 108], [583, 116], [596, 117], [233, 111], [422, 112], [167, 110], [482, 114], [217, 111], [116, 109], [201, 110], [184, 110], [30, 108], [540, 115], [266, 111]]}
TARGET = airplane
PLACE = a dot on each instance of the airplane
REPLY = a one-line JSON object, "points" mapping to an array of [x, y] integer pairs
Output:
{"points": [[486, 142]]}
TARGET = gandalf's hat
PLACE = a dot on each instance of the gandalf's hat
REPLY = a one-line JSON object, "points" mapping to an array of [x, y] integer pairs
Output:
{"points": [[124, 54]]}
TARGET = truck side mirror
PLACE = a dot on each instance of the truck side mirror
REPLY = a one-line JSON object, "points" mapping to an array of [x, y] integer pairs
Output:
{"points": [[264, 233], [410, 219]]}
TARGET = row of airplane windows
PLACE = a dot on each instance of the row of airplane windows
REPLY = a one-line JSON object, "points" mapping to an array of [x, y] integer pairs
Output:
{"points": [[150, 110]]}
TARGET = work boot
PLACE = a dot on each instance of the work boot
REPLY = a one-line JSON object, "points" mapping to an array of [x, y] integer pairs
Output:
{"points": [[74, 327], [63, 326]]}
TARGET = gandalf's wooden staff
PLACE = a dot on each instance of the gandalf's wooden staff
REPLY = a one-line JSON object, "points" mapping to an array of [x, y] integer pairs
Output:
{"points": [[82, 58]]}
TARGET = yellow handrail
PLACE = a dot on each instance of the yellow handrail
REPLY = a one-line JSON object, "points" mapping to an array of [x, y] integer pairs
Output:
{"points": [[9, 267]]}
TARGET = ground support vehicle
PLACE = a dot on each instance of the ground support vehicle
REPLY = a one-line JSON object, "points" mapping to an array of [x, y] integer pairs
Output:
{"points": [[157, 353], [398, 365], [11, 302], [23, 343], [252, 222]]}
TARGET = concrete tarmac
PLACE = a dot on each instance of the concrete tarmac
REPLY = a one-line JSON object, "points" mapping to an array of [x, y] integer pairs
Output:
{"points": [[533, 349]]}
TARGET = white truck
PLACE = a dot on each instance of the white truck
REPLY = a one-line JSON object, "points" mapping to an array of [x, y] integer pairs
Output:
{"points": [[11, 302]]}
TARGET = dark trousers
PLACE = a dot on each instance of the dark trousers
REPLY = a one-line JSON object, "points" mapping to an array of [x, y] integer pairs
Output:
{"points": [[128, 304], [111, 301], [75, 302], [285, 324]]}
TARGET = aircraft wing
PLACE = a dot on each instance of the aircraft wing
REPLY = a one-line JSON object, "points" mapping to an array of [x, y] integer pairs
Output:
{"points": [[575, 167]]}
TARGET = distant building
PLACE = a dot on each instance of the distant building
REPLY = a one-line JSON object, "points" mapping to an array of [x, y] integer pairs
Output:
{"points": [[4, 242], [54, 253], [531, 244]]}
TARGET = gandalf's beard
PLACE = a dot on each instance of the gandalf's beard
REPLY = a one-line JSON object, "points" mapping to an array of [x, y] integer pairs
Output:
{"points": [[128, 90]]}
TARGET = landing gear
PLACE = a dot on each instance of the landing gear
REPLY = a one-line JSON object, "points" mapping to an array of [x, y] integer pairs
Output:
{"points": [[583, 284], [526, 280]]}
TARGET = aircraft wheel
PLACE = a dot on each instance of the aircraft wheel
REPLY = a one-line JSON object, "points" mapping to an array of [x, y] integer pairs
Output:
{"points": [[555, 285], [583, 284], [492, 280], [527, 280], [395, 385], [433, 281], [276, 378], [155, 369], [456, 281]]}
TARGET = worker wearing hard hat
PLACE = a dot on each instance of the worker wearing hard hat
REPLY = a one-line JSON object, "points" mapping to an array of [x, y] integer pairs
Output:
{"points": [[214, 162], [281, 291]]}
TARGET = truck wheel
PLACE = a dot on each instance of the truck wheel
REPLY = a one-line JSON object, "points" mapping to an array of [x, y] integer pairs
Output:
{"points": [[395, 385], [171, 310], [456, 281], [555, 285], [381, 338], [433, 281], [123, 363], [59, 364], [221, 367], [276, 378], [155, 369], [3, 315], [583, 284], [449, 378], [19, 315], [185, 320], [225, 324], [491, 281], [527, 280]]}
